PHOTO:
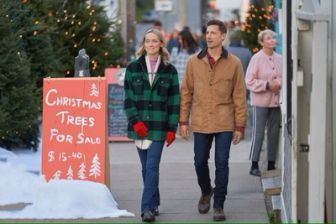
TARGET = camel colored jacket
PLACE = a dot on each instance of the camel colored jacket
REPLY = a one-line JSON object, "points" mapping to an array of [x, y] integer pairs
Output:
{"points": [[214, 97]]}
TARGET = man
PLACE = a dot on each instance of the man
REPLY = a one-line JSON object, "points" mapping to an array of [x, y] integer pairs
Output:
{"points": [[213, 91], [238, 49], [244, 54]]}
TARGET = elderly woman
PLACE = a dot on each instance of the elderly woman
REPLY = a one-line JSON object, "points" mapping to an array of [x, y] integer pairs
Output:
{"points": [[263, 79]]}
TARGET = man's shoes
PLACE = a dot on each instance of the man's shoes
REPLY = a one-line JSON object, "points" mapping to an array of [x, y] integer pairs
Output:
{"points": [[156, 211], [148, 217], [204, 203], [255, 172], [218, 214]]}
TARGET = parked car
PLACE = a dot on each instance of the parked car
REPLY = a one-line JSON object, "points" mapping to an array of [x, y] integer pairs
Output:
{"points": [[150, 16]]}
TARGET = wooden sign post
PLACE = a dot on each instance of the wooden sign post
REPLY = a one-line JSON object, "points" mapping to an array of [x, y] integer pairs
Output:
{"points": [[74, 129]]}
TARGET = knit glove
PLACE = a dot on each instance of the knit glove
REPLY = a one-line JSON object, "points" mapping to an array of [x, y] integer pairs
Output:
{"points": [[170, 137], [140, 129]]}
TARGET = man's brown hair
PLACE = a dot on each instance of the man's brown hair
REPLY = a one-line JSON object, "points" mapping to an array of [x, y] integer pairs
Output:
{"points": [[218, 23]]}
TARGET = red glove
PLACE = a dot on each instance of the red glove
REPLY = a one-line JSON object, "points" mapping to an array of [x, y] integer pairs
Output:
{"points": [[170, 137], [140, 129]]}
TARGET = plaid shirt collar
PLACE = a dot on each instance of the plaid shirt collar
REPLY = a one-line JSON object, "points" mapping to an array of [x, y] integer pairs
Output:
{"points": [[211, 60]]}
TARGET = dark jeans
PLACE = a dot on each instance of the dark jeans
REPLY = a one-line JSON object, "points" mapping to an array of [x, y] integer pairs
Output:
{"points": [[150, 162], [202, 146]]}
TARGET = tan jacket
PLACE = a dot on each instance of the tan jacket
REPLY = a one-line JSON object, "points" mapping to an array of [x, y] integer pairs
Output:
{"points": [[216, 97]]}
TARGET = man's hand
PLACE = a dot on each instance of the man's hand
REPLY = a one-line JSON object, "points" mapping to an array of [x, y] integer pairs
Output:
{"points": [[184, 131], [237, 136]]}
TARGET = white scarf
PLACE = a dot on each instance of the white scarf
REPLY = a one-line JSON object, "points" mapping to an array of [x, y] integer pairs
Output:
{"points": [[151, 74], [145, 143]]}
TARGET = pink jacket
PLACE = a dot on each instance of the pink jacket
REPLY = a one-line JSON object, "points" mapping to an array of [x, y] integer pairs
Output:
{"points": [[263, 68]]}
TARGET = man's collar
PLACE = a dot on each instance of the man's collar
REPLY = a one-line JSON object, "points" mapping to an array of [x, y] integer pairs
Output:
{"points": [[204, 52]]}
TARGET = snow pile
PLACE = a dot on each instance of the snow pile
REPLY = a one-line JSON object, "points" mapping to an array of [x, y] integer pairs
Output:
{"points": [[57, 199]]}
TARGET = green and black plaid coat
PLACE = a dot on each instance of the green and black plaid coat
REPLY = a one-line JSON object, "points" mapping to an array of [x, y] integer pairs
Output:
{"points": [[157, 106]]}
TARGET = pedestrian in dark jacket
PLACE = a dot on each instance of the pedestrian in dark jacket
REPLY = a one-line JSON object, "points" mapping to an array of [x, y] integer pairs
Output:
{"points": [[152, 107]]}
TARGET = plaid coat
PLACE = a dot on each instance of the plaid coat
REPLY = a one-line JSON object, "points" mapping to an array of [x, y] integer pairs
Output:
{"points": [[158, 105]]}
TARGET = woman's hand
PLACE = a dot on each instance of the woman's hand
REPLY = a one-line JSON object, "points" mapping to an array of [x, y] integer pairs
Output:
{"points": [[274, 86]]}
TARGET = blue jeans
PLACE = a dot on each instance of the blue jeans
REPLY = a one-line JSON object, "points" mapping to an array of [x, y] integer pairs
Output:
{"points": [[150, 162], [202, 146]]}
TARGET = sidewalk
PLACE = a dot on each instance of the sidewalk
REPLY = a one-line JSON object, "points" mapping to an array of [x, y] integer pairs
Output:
{"points": [[178, 185]]}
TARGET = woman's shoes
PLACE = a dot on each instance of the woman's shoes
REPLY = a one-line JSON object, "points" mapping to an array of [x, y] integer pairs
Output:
{"points": [[156, 211], [255, 172], [148, 217]]}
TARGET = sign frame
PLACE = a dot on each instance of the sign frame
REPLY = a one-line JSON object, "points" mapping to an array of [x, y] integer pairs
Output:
{"points": [[75, 108]]}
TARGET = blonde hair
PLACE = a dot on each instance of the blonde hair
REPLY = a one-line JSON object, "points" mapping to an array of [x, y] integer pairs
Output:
{"points": [[263, 33], [163, 50]]}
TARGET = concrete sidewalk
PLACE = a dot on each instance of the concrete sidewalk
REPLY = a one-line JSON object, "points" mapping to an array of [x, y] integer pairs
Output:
{"points": [[178, 185]]}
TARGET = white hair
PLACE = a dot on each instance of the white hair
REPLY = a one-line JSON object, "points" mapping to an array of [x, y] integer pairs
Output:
{"points": [[262, 34]]}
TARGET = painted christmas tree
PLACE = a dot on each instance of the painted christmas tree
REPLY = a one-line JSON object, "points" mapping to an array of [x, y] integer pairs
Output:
{"points": [[95, 169], [82, 171], [70, 173], [94, 90], [57, 175]]}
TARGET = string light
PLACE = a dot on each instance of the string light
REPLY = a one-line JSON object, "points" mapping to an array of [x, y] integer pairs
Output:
{"points": [[64, 18]]}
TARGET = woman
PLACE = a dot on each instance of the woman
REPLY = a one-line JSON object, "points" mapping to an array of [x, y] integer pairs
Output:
{"points": [[152, 107], [180, 55], [263, 79]]}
